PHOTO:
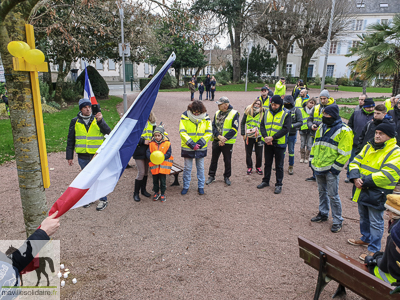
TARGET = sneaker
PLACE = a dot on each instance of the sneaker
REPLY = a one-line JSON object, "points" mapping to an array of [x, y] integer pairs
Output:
{"points": [[87, 205], [163, 198], [319, 218], [336, 228], [262, 185], [184, 191], [358, 242], [102, 205], [278, 189], [227, 181], [249, 170], [201, 191], [290, 170], [311, 179], [259, 171], [347, 180], [156, 196], [301, 160], [364, 255], [306, 161], [210, 180]]}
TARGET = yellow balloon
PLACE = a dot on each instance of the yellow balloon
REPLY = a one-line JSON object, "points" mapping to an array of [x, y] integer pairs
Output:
{"points": [[34, 57], [18, 48], [157, 157]]}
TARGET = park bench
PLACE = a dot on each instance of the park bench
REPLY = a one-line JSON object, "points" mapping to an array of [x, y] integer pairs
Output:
{"points": [[175, 170], [348, 272], [335, 87]]}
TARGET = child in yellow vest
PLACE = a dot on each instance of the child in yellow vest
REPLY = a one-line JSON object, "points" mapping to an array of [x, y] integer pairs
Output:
{"points": [[160, 142]]}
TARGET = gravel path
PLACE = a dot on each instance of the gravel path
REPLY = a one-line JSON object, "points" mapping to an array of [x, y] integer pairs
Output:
{"points": [[234, 242]]}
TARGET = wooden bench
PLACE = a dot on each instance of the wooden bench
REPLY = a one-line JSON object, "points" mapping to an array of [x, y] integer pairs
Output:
{"points": [[332, 86], [175, 170], [348, 272]]}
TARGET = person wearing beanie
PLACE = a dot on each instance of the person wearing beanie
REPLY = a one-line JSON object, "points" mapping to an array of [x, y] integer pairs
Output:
{"points": [[357, 121], [297, 121], [274, 128], [142, 162], [305, 134], [374, 172], [225, 127], [330, 152], [85, 135], [280, 87], [315, 118], [264, 98], [160, 142], [386, 265]]}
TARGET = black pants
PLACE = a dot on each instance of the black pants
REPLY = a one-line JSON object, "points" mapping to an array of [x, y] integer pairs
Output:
{"points": [[258, 144], [226, 151], [160, 180], [212, 94], [269, 153]]}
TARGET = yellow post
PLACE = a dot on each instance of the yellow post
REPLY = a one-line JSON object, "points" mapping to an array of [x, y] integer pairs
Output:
{"points": [[21, 65]]}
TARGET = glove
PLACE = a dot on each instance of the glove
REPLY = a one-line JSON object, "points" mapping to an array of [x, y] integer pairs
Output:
{"points": [[197, 147]]}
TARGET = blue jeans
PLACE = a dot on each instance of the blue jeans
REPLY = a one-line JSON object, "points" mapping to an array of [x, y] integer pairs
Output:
{"points": [[328, 189], [290, 145], [191, 96], [371, 226], [208, 94], [201, 96], [83, 163], [353, 154], [187, 172]]}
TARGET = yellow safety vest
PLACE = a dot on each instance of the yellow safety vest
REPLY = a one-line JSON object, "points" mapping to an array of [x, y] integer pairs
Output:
{"points": [[87, 141], [388, 105], [304, 116], [190, 131], [148, 131], [386, 277], [228, 125], [319, 114], [266, 103], [274, 123]]}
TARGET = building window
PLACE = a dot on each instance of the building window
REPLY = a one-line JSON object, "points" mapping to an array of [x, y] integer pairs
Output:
{"points": [[384, 5], [83, 63], [359, 25], [384, 21], [291, 49], [111, 64], [146, 68], [355, 44], [289, 69], [329, 70], [333, 47], [271, 48], [360, 4], [99, 65]]}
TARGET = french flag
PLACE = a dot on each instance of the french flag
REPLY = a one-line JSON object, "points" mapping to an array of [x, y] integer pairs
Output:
{"points": [[87, 90], [101, 175]]}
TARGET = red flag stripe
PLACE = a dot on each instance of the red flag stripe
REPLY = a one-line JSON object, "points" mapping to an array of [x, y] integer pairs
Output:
{"points": [[67, 200]]}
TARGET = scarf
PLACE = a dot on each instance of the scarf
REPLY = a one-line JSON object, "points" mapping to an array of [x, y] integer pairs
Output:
{"points": [[85, 119], [195, 119], [221, 119], [308, 110]]}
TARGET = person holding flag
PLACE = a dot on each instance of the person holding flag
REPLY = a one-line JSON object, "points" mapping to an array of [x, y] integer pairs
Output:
{"points": [[86, 134], [88, 94]]}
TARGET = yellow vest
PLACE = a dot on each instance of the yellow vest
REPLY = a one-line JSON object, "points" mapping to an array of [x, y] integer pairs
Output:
{"points": [[87, 141], [148, 131], [388, 105], [190, 131], [266, 103], [228, 125], [304, 116], [274, 123]]}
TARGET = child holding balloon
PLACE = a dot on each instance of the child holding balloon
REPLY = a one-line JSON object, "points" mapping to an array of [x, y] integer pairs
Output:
{"points": [[160, 163]]}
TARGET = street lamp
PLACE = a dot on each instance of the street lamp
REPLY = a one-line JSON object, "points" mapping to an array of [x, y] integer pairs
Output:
{"points": [[249, 46], [328, 44], [121, 13]]}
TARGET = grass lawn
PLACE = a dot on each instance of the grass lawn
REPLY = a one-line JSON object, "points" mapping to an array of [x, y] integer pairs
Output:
{"points": [[346, 112], [239, 87], [354, 101], [56, 127], [357, 89]]}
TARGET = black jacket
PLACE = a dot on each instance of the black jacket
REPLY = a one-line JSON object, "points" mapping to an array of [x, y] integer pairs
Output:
{"points": [[284, 131], [141, 148], [368, 132], [231, 133], [357, 122], [207, 83], [104, 129], [297, 117], [201, 88], [395, 114]]}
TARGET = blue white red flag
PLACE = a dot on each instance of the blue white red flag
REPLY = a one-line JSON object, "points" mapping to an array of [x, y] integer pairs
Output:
{"points": [[87, 90], [101, 175]]}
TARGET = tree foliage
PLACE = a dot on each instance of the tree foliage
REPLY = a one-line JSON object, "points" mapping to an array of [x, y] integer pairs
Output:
{"points": [[260, 61], [99, 85]]}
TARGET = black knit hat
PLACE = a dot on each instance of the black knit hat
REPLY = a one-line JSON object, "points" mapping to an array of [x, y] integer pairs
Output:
{"points": [[276, 99], [333, 111], [369, 102], [395, 234], [387, 128]]}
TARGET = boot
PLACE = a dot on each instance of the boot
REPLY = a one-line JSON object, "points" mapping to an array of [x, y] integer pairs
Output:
{"points": [[307, 157], [290, 170], [144, 183], [137, 189], [302, 154]]}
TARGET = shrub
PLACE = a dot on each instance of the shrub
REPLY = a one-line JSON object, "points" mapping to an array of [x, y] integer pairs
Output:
{"points": [[317, 80], [99, 85], [259, 80], [174, 82], [343, 81], [45, 91], [241, 81], [223, 82], [329, 80], [2, 88], [166, 83], [54, 104], [70, 91], [143, 82], [223, 75]]}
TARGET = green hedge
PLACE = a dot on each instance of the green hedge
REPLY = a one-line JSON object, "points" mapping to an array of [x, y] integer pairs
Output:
{"points": [[143, 82], [99, 85]]}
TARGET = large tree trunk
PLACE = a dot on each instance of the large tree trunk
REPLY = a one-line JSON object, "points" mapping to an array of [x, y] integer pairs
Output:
{"points": [[23, 126], [236, 51], [396, 85], [62, 73], [282, 62], [177, 75], [365, 83], [306, 55]]}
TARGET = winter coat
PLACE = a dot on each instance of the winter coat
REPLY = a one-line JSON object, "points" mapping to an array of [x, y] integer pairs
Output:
{"points": [[395, 114], [201, 88], [297, 118], [357, 122], [207, 83]]}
